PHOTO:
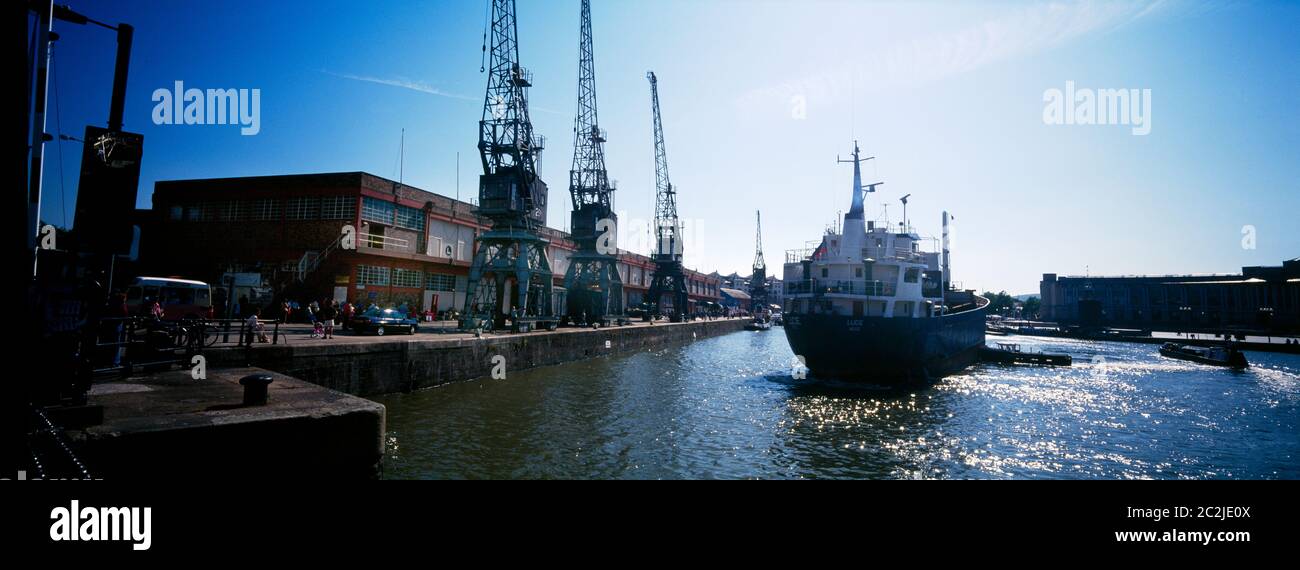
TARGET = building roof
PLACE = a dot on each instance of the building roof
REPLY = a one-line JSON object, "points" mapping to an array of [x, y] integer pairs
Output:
{"points": [[734, 293], [1224, 282]]}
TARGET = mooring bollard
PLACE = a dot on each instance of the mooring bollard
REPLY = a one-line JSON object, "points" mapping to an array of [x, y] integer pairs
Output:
{"points": [[255, 386]]}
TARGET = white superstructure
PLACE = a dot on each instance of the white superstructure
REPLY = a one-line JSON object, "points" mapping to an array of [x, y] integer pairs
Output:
{"points": [[865, 270]]}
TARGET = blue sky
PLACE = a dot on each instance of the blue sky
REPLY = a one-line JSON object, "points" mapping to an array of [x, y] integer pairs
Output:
{"points": [[947, 96]]}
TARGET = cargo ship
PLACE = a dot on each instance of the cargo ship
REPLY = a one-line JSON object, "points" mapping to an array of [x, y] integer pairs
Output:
{"points": [[868, 304]]}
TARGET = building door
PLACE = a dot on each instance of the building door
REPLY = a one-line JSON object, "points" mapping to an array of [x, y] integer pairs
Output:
{"points": [[857, 308], [430, 301], [341, 294]]}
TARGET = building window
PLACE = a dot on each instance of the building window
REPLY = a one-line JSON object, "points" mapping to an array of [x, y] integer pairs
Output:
{"points": [[373, 210], [413, 278], [214, 211], [372, 275], [410, 218], [338, 207], [301, 208], [440, 282], [175, 213], [265, 210], [239, 211], [912, 275]]}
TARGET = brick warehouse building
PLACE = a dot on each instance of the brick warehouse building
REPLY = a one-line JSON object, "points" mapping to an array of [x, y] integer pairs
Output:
{"points": [[278, 236], [1262, 298]]}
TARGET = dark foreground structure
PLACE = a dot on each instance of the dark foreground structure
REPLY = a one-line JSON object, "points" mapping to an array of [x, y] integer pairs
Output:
{"points": [[173, 426], [1262, 299]]}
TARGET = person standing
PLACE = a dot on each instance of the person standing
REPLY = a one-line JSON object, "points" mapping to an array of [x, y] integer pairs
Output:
{"points": [[327, 315], [348, 311]]}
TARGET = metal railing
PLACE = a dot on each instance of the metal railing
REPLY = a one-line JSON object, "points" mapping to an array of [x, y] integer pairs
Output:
{"points": [[840, 287], [798, 255], [881, 254], [311, 260], [384, 242], [138, 343]]}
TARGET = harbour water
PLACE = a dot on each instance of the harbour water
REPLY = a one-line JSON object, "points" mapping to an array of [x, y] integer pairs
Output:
{"points": [[728, 407]]}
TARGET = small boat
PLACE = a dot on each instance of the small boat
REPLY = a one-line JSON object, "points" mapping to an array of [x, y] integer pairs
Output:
{"points": [[759, 324], [1227, 356], [1010, 353]]}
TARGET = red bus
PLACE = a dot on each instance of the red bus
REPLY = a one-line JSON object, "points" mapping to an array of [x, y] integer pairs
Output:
{"points": [[180, 298]]}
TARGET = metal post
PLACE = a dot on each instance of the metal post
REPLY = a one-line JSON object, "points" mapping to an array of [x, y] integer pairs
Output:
{"points": [[36, 167], [124, 34], [947, 279]]}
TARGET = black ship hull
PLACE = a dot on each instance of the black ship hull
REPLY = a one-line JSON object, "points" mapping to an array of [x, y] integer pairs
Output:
{"points": [[886, 351]]}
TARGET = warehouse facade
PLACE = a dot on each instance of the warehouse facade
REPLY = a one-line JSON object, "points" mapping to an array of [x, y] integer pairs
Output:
{"points": [[273, 237], [1260, 298]]}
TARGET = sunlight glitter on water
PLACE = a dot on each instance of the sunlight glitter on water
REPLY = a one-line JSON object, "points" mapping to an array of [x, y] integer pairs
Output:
{"points": [[727, 407]]}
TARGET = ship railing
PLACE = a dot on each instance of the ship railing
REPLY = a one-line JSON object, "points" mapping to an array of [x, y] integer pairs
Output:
{"points": [[840, 287], [798, 255], [910, 256], [879, 254]]}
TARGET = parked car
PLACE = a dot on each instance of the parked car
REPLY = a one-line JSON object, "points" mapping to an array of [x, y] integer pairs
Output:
{"points": [[384, 321]]}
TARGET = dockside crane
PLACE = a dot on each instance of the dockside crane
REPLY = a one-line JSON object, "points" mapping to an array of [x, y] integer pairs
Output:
{"points": [[594, 290], [510, 278], [670, 276], [758, 279]]}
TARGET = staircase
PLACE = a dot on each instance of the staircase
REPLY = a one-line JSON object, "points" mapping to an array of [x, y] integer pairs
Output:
{"points": [[311, 260]]}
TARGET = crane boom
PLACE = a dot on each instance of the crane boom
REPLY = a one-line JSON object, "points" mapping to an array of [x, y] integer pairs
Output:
{"points": [[511, 191], [594, 289], [670, 276], [510, 280], [758, 279], [588, 180], [667, 226]]}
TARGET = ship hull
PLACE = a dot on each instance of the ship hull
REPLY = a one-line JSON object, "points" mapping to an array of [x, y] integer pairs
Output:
{"points": [[886, 351]]}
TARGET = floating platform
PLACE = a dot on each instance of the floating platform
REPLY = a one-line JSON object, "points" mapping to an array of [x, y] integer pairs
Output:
{"points": [[1010, 353]]}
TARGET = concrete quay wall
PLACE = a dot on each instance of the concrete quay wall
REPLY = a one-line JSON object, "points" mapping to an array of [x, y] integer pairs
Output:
{"points": [[386, 365]]}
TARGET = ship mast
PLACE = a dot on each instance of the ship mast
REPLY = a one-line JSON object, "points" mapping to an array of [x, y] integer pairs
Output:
{"points": [[856, 208]]}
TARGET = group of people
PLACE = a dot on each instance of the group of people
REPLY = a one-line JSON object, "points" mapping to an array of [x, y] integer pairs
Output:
{"points": [[323, 316]]}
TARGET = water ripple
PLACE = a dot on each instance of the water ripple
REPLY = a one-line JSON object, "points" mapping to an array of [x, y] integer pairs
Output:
{"points": [[727, 408]]}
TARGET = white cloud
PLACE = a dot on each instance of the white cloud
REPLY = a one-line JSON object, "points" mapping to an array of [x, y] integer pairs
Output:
{"points": [[404, 83], [1020, 31], [423, 87]]}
